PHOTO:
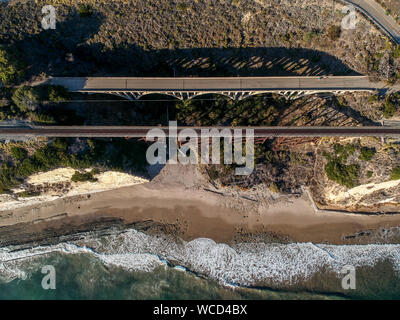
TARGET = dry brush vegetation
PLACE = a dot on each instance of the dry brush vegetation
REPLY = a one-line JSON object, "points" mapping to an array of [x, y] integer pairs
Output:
{"points": [[207, 37]]}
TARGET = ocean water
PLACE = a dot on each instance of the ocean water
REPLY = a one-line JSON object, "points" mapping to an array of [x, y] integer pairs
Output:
{"points": [[134, 265], [82, 277]]}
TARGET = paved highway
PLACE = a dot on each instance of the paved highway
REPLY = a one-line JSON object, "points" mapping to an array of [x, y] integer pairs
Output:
{"points": [[107, 84], [105, 131], [378, 15]]}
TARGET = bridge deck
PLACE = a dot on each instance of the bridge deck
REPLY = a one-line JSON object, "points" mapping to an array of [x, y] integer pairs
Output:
{"points": [[106, 84], [95, 131]]}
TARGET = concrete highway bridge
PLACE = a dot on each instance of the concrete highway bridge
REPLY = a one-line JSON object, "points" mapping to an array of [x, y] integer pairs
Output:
{"points": [[236, 88], [139, 132]]}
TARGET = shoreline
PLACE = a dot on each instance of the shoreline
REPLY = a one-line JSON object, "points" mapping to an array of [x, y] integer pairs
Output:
{"points": [[231, 235], [190, 213], [245, 265], [180, 202]]}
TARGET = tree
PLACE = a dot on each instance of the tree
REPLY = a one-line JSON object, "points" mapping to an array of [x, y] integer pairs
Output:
{"points": [[345, 175], [336, 168], [12, 68], [395, 174], [58, 94], [389, 108], [18, 153], [367, 153], [26, 98]]}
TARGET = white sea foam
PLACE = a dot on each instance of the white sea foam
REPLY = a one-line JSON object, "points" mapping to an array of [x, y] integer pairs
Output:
{"points": [[245, 264]]}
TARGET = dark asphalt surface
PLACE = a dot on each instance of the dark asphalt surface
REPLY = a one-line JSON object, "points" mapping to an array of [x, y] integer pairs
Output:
{"points": [[138, 132]]}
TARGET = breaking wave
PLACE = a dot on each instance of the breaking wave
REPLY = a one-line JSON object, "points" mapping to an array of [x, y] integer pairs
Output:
{"points": [[240, 265]]}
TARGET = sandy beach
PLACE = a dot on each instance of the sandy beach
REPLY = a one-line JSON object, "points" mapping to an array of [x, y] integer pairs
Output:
{"points": [[189, 209], [242, 237]]}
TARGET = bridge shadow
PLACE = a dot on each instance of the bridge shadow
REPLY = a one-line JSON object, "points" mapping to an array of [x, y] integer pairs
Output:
{"points": [[70, 50], [322, 111], [351, 113], [58, 52], [131, 60]]}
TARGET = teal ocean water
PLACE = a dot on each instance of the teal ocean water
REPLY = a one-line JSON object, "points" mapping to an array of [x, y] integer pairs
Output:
{"points": [[133, 265], [82, 277]]}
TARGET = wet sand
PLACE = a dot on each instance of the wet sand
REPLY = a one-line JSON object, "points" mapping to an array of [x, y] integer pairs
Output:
{"points": [[193, 213]]}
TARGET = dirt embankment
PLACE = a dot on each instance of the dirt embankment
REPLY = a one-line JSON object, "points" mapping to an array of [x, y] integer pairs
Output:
{"points": [[48, 186]]}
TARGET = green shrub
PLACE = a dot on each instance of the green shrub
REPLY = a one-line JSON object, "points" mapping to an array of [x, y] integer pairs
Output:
{"points": [[4, 103], [373, 98], [40, 117], [58, 94], [389, 108], [336, 168], [182, 6], [309, 36], [26, 194], [396, 52], [85, 10], [26, 168], [30, 101], [95, 171], [395, 175], [344, 151], [273, 187], [7, 179], [83, 176], [269, 156], [367, 153], [18, 153], [12, 68], [26, 98], [345, 175]]}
